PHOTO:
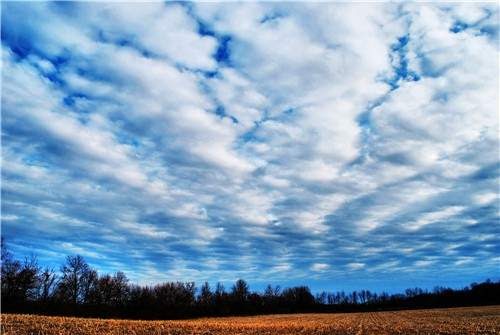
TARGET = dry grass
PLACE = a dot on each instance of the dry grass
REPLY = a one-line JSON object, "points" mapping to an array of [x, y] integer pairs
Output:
{"points": [[473, 320]]}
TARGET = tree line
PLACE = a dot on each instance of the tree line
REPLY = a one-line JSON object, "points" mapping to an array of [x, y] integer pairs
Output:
{"points": [[78, 289]]}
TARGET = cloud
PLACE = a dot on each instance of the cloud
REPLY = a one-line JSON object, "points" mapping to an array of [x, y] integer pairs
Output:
{"points": [[485, 198], [436, 216], [266, 141], [355, 266], [319, 267]]}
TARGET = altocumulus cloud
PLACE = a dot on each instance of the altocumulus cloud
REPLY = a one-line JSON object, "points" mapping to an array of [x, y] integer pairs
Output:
{"points": [[276, 142]]}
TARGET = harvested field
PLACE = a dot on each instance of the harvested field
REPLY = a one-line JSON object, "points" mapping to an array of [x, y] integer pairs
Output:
{"points": [[469, 320]]}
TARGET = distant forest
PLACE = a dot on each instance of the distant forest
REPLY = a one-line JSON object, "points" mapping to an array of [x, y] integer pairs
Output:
{"points": [[78, 290]]}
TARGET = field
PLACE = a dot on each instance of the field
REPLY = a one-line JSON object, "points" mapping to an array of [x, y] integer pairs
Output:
{"points": [[471, 320]]}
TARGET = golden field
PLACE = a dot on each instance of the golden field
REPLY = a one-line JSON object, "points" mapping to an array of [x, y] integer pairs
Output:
{"points": [[469, 320]]}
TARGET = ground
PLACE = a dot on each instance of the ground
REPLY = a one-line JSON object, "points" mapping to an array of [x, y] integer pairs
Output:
{"points": [[469, 320]]}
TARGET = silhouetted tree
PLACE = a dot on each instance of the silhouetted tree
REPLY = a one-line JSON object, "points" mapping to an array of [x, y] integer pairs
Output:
{"points": [[220, 291], [413, 292], [46, 284], [272, 297], [321, 298], [239, 296], [82, 291], [120, 289], [353, 297], [240, 290], [109, 290], [206, 298], [298, 298], [77, 280], [19, 280]]}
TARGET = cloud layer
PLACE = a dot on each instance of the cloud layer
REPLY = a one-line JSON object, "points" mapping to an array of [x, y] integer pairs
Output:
{"points": [[275, 142]]}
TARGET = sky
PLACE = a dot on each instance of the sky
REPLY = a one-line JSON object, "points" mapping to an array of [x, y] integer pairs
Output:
{"points": [[342, 146]]}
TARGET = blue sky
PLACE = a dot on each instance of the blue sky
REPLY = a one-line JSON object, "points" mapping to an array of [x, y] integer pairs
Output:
{"points": [[340, 146]]}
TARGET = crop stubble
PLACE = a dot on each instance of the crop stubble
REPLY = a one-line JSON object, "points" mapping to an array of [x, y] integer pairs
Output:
{"points": [[469, 320]]}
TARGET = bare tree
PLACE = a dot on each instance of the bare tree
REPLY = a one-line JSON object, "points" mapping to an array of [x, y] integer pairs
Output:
{"points": [[219, 290], [77, 280], [18, 280], [272, 292], [240, 290], [120, 288], [205, 298], [46, 283]]}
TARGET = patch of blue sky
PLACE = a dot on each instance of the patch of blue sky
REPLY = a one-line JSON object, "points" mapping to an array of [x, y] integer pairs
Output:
{"points": [[223, 53], [401, 70]]}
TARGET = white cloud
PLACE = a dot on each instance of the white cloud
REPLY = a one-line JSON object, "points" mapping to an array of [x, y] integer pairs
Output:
{"points": [[310, 135], [355, 266], [435, 216], [485, 198], [423, 263], [318, 267], [283, 267], [164, 30]]}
